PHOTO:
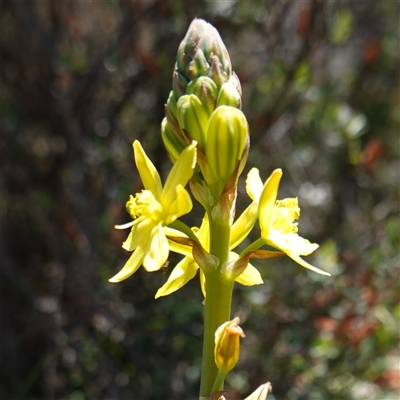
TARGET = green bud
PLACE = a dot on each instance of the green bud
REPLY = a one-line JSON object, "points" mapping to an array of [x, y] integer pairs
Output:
{"points": [[229, 96], [206, 90], [171, 104], [171, 142], [198, 66], [199, 49], [171, 111], [234, 80], [193, 118], [173, 124], [217, 73], [179, 83], [227, 140]]}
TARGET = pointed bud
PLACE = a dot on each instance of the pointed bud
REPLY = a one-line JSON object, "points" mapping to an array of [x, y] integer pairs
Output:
{"points": [[229, 96], [171, 111], [193, 118], [227, 345], [171, 104], [171, 142], [227, 140], [206, 90], [199, 49], [234, 80], [198, 66], [201, 193], [179, 83], [217, 72]]}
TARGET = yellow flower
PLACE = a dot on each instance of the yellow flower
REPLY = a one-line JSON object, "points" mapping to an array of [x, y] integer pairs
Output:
{"points": [[261, 393], [153, 209], [277, 221], [227, 345], [187, 268]]}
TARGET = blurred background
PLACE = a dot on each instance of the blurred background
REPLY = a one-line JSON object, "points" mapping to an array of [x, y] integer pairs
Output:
{"points": [[80, 81]]}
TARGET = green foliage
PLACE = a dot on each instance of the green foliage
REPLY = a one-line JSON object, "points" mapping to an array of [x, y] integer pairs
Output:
{"points": [[342, 26]]}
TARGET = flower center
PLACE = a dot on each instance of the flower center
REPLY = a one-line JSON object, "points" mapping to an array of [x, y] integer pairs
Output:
{"points": [[145, 204], [285, 212]]}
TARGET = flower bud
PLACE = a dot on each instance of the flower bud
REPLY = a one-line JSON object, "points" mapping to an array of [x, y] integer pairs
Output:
{"points": [[171, 111], [206, 90], [227, 345], [193, 118], [227, 140], [171, 104], [217, 73], [171, 142], [201, 47], [198, 66], [179, 83], [229, 96]]}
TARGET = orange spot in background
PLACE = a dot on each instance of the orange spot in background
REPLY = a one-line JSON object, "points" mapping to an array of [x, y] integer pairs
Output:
{"points": [[326, 324], [303, 22], [371, 51], [372, 153]]}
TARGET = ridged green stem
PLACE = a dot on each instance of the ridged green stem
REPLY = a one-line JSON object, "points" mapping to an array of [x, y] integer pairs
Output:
{"points": [[217, 307]]}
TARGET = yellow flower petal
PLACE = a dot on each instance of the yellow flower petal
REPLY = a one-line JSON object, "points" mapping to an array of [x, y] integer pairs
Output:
{"points": [[250, 276], [292, 242], [180, 248], [294, 246], [173, 232], [254, 185], [180, 206], [157, 250], [261, 393], [131, 266], [307, 265], [139, 233], [180, 174], [246, 221], [267, 201], [204, 232], [148, 173], [243, 225], [180, 275]]}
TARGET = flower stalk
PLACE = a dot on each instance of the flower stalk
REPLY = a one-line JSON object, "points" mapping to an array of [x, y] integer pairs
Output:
{"points": [[206, 137]]}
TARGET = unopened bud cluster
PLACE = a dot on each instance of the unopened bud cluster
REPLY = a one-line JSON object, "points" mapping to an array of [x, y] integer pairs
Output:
{"points": [[204, 105]]}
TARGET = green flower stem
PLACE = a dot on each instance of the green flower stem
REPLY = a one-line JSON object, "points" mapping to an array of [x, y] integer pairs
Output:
{"points": [[181, 226], [219, 382], [253, 246], [217, 307]]}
